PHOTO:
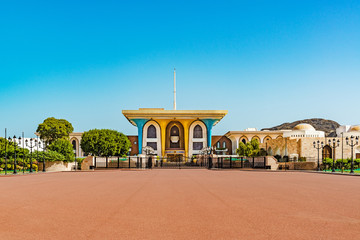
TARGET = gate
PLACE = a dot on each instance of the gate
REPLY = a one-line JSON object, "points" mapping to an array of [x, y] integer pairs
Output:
{"points": [[228, 162], [180, 162], [119, 162]]}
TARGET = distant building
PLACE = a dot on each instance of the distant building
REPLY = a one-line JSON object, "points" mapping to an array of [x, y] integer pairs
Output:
{"points": [[172, 133]]}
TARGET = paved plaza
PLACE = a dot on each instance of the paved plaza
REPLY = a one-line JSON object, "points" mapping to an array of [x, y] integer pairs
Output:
{"points": [[180, 204]]}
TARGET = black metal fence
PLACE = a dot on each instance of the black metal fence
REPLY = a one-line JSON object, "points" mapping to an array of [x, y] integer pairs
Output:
{"points": [[204, 161], [240, 162]]}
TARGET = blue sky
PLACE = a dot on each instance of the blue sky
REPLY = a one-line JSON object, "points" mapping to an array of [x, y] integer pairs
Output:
{"points": [[267, 62]]}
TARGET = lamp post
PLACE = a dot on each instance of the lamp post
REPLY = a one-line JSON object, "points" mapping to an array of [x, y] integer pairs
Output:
{"points": [[5, 153], [342, 146], [352, 144], [23, 148], [44, 146], [318, 146], [15, 143], [75, 158], [31, 144], [335, 144]]}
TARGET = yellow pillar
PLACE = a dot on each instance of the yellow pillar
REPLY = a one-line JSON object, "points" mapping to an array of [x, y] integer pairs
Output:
{"points": [[186, 124], [163, 123]]}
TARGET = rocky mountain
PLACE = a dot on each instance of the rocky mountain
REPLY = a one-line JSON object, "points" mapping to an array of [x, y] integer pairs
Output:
{"points": [[328, 126]]}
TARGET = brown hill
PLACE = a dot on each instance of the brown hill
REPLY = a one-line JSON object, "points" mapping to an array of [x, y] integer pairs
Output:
{"points": [[328, 126]]}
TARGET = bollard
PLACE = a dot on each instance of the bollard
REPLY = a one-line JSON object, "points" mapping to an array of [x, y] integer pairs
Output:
{"points": [[242, 162], [118, 166], [230, 163]]}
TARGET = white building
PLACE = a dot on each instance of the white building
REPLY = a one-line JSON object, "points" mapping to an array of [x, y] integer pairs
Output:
{"points": [[303, 130]]}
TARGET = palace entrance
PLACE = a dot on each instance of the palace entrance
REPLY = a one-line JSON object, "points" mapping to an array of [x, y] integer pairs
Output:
{"points": [[174, 157]]}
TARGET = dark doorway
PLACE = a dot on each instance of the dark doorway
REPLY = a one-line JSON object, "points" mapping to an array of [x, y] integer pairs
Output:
{"points": [[327, 152]]}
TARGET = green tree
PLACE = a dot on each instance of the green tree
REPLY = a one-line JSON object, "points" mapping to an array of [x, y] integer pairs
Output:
{"points": [[64, 147], [53, 129], [10, 149], [49, 155], [250, 149], [104, 142]]}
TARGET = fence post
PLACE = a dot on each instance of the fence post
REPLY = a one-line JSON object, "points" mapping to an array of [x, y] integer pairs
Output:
{"points": [[230, 162], [129, 163], [95, 162], [210, 162], [118, 162], [253, 165], [242, 162], [137, 162], [106, 162], [264, 162], [149, 162]]}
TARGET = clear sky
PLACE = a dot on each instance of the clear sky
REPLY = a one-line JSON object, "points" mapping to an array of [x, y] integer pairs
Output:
{"points": [[266, 62]]}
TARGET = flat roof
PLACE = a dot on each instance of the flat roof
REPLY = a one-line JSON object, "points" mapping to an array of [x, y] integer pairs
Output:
{"points": [[149, 113], [253, 132]]}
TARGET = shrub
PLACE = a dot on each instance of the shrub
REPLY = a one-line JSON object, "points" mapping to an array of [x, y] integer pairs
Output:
{"points": [[63, 147]]}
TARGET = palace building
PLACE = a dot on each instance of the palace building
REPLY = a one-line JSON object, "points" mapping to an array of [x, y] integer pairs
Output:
{"points": [[185, 133], [172, 133]]}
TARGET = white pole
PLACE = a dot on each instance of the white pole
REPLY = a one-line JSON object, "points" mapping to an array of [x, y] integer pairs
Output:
{"points": [[174, 89]]}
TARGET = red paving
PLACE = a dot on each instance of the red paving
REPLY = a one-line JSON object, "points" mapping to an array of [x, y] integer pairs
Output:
{"points": [[180, 204]]}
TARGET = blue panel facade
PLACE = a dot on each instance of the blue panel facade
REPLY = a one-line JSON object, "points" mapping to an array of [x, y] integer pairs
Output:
{"points": [[140, 124], [209, 124]]}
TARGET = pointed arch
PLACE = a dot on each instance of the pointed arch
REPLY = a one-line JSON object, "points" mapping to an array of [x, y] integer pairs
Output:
{"points": [[243, 139], [152, 136], [198, 131], [256, 138], [197, 141], [151, 131]]}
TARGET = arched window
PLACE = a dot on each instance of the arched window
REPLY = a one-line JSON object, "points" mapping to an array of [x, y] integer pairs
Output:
{"points": [[224, 144], [151, 132], [218, 145], [174, 131], [74, 144], [198, 133], [244, 141], [174, 137]]}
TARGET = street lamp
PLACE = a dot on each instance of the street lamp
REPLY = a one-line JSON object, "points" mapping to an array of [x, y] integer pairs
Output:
{"points": [[335, 145], [44, 146], [23, 148], [352, 144], [31, 144], [318, 146], [15, 143], [6, 153], [75, 158]]}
